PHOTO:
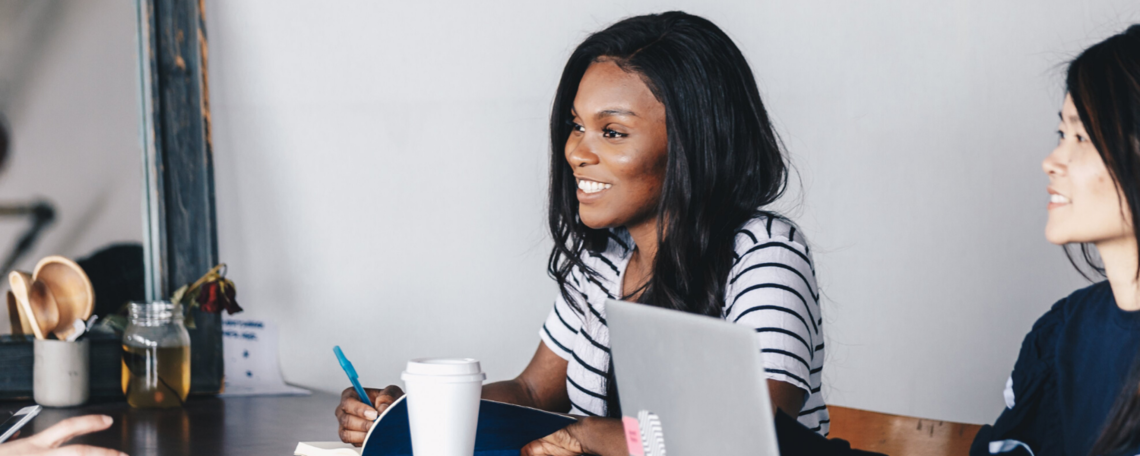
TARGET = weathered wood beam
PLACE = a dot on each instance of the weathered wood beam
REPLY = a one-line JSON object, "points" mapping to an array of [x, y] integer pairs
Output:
{"points": [[179, 168]]}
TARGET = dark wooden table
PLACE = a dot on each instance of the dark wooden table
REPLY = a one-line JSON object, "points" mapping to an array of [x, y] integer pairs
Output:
{"points": [[265, 425]]}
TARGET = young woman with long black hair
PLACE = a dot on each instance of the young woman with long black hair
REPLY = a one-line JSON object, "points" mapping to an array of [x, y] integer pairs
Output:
{"points": [[1076, 359], [663, 162]]}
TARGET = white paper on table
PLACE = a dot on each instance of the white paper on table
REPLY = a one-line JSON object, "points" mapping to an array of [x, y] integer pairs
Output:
{"points": [[252, 369], [326, 449]]}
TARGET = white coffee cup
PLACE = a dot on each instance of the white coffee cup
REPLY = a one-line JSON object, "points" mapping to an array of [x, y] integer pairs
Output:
{"points": [[60, 372], [443, 405]]}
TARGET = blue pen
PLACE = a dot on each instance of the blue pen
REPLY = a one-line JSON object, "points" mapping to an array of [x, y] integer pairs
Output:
{"points": [[347, 366]]}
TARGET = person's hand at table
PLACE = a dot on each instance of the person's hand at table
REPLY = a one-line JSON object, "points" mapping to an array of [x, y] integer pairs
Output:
{"points": [[354, 417], [600, 436], [50, 441]]}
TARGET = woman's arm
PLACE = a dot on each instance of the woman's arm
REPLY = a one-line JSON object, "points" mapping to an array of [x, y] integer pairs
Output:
{"points": [[786, 396], [49, 441], [590, 435], [772, 288], [541, 385], [605, 436]]}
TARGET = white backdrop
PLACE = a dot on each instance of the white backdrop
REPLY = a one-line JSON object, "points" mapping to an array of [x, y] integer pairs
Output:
{"points": [[70, 91], [381, 177], [74, 114]]}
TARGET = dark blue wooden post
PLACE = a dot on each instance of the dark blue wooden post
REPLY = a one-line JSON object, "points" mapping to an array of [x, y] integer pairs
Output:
{"points": [[179, 168]]}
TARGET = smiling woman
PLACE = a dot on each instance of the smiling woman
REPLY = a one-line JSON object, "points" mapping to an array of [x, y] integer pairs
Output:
{"points": [[663, 161], [1075, 362]]}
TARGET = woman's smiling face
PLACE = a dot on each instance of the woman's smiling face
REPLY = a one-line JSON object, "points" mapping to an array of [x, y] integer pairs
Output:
{"points": [[1084, 201], [618, 148]]}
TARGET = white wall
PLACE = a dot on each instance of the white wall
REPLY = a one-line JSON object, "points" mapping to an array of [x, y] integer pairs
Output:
{"points": [[381, 176], [73, 108]]}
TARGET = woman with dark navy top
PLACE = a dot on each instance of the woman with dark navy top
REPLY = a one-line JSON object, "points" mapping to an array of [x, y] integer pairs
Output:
{"points": [[1070, 392]]}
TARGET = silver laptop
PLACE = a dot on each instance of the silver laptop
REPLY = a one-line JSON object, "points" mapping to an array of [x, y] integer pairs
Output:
{"points": [[695, 384]]}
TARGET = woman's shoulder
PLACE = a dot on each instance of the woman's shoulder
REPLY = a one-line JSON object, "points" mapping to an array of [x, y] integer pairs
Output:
{"points": [[766, 228], [1077, 301], [1099, 291], [1047, 325], [1030, 393], [1040, 344]]}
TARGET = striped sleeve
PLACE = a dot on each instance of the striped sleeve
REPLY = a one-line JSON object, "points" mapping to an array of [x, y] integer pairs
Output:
{"points": [[561, 327], [772, 288]]}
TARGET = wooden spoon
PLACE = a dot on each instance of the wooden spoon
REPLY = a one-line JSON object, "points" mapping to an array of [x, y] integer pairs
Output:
{"points": [[20, 325], [42, 311], [41, 296]]}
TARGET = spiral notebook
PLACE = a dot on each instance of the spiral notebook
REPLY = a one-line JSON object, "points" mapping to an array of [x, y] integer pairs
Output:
{"points": [[503, 430]]}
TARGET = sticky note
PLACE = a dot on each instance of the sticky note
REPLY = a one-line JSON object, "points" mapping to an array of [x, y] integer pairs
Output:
{"points": [[632, 436]]}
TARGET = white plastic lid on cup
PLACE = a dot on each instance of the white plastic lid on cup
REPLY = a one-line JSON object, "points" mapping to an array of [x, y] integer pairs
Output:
{"points": [[449, 370]]}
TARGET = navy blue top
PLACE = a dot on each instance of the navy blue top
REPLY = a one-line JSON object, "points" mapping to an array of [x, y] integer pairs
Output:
{"points": [[1068, 375]]}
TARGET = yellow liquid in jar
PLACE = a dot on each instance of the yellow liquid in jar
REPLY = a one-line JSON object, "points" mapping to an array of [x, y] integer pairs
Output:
{"points": [[156, 377]]}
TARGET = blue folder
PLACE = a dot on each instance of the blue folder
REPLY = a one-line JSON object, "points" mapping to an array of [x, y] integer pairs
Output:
{"points": [[502, 431]]}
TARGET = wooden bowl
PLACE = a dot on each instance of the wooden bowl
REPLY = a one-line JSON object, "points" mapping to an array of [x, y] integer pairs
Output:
{"points": [[36, 303], [70, 288]]}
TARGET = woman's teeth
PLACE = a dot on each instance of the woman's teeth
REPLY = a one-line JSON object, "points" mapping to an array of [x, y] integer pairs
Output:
{"points": [[1059, 199], [592, 187]]}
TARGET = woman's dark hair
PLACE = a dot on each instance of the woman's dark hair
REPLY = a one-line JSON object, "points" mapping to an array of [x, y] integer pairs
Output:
{"points": [[724, 159], [1104, 82]]}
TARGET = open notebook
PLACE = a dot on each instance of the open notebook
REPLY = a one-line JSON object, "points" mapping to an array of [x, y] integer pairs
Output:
{"points": [[503, 430]]}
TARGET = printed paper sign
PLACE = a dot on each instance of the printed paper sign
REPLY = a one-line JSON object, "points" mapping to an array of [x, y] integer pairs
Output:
{"points": [[250, 348]]}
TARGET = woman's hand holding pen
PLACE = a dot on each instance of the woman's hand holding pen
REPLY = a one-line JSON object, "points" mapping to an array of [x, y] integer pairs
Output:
{"points": [[354, 417]]}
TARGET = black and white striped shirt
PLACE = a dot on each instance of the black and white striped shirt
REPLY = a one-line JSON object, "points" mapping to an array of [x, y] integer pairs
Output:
{"points": [[771, 288]]}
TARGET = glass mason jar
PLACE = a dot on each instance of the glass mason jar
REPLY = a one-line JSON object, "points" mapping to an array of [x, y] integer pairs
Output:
{"points": [[156, 356]]}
